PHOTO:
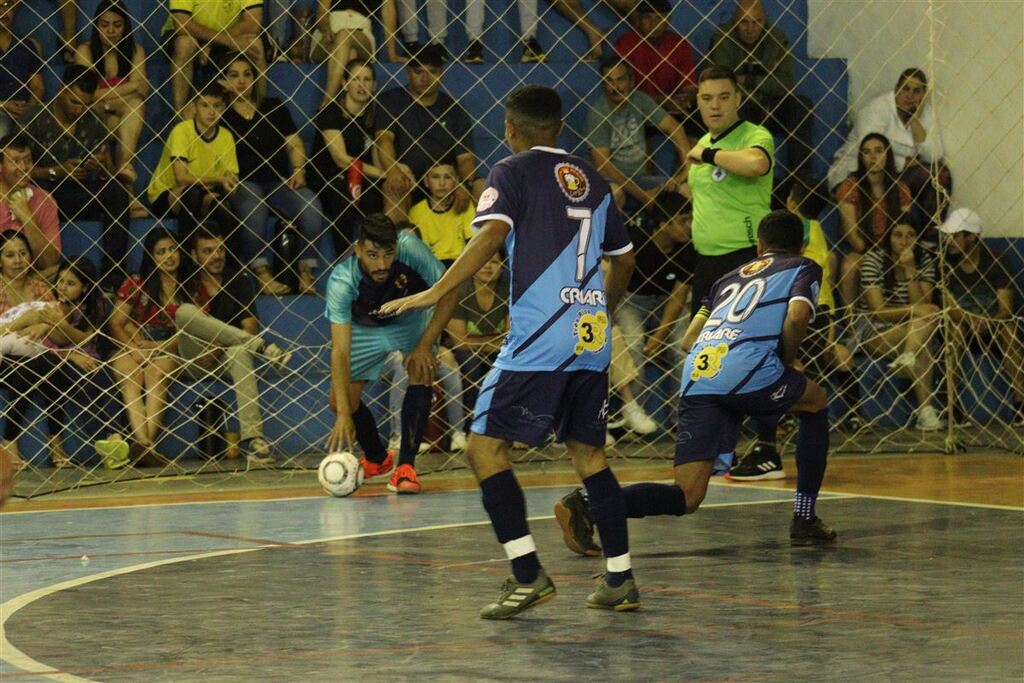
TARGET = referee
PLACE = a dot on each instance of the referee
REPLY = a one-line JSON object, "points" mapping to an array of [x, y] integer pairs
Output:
{"points": [[730, 179]]}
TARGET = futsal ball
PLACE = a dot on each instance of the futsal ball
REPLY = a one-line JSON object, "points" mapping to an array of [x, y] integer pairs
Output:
{"points": [[340, 474]]}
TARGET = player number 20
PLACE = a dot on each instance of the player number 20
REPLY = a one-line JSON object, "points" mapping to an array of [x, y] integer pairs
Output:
{"points": [[583, 216], [734, 297]]}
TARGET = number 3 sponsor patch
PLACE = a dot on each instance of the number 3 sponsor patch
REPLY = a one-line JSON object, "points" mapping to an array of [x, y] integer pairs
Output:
{"points": [[591, 330], [708, 362]]}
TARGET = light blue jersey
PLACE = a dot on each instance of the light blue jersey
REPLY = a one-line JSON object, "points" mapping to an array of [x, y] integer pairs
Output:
{"points": [[563, 221], [353, 298], [738, 348]]}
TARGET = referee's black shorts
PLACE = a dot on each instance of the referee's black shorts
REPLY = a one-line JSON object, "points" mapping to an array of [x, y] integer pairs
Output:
{"points": [[707, 270]]}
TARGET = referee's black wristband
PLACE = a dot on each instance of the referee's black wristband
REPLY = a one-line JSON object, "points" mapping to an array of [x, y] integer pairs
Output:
{"points": [[708, 155]]}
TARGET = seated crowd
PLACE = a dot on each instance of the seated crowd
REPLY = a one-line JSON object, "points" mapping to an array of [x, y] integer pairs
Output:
{"points": [[236, 177]]}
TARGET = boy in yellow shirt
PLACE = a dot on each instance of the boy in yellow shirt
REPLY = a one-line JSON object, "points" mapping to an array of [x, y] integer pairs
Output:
{"points": [[443, 230], [198, 169]]}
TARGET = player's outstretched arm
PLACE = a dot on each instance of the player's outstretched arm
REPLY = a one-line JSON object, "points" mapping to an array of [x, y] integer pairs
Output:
{"points": [[478, 252], [798, 316]]}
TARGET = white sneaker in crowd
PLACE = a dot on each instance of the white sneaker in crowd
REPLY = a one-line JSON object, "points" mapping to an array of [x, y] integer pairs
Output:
{"points": [[904, 361], [395, 442], [637, 420], [458, 441], [928, 420], [276, 356], [258, 453]]}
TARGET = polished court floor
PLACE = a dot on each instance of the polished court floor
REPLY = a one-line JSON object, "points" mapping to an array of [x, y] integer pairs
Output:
{"points": [[924, 586]]}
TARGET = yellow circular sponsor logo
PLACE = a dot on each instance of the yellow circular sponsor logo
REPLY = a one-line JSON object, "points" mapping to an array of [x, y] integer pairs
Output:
{"points": [[708, 362], [591, 330]]}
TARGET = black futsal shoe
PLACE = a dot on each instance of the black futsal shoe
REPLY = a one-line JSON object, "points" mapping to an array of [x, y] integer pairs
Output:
{"points": [[474, 54], [763, 462], [573, 516], [804, 532]]}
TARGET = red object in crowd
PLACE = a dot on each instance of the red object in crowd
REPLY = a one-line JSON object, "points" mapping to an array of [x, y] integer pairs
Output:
{"points": [[355, 180], [660, 69]]}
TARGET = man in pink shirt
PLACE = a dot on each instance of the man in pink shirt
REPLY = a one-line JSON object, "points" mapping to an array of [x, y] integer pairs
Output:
{"points": [[662, 61], [27, 208]]}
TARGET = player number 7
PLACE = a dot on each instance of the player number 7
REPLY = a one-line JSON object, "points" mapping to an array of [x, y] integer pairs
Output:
{"points": [[583, 216]]}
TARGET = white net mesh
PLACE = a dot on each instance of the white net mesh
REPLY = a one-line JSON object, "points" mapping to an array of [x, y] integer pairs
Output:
{"points": [[157, 383]]}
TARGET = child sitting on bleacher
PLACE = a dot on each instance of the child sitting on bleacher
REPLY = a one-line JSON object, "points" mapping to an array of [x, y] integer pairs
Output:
{"points": [[198, 168], [443, 229]]}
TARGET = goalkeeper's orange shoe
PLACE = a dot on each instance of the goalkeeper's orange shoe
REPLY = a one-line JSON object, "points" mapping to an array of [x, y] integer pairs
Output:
{"points": [[404, 480], [375, 469]]}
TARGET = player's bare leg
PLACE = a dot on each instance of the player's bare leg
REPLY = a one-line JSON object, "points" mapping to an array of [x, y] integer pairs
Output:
{"points": [[505, 503]]}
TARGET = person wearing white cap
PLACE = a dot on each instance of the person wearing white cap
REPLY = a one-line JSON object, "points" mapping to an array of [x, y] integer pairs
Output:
{"points": [[979, 298]]}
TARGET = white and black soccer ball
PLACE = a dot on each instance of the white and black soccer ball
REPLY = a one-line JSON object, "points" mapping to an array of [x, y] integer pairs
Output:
{"points": [[340, 474]]}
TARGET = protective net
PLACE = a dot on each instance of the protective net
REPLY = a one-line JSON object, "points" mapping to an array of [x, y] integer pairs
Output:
{"points": [[922, 346]]}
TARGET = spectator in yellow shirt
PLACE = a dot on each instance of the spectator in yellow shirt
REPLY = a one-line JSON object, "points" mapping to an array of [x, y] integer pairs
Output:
{"points": [[198, 169], [445, 231], [212, 29]]}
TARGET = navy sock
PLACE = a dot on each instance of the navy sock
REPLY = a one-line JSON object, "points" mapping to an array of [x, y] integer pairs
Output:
{"points": [[803, 505], [415, 413], [766, 430], [651, 500], [503, 499], [608, 510], [811, 460], [367, 434]]}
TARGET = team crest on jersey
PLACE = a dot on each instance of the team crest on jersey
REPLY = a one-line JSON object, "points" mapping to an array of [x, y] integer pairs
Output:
{"points": [[755, 267], [487, 199], [591, 331], [718, 175], [402, 282], [573, 181]]}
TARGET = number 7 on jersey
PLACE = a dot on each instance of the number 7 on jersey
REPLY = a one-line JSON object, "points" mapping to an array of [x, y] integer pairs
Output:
{"points": [[583, 215]]}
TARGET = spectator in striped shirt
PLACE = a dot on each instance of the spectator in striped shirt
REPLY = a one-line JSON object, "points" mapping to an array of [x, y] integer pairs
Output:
{"points": [[898, 319]]}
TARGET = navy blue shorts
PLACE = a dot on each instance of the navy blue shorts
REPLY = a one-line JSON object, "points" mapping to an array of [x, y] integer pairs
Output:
{"points": [[527, 406], [707, 425]]}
